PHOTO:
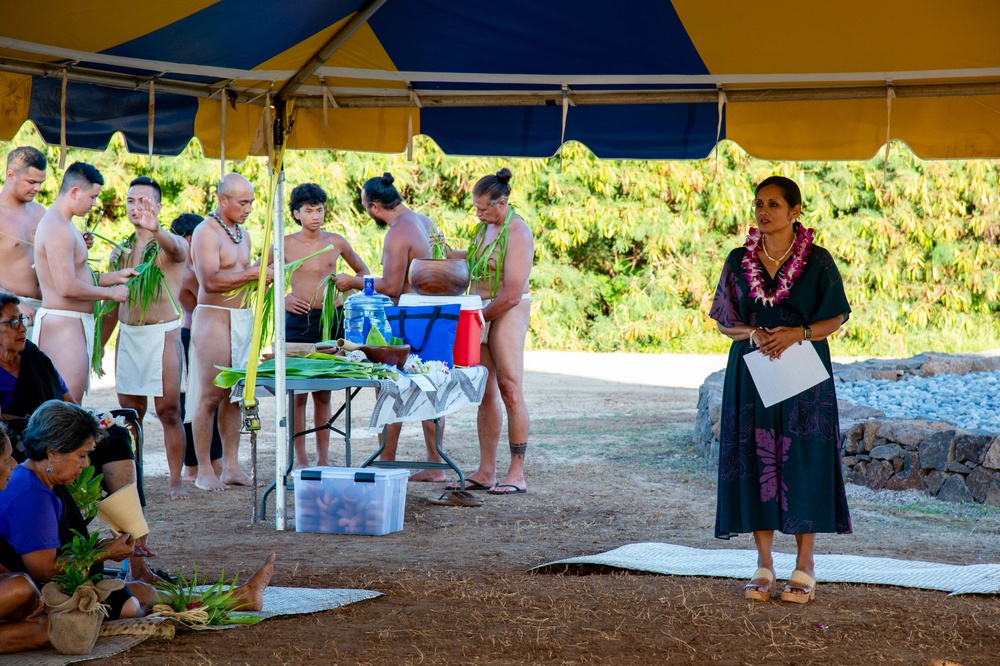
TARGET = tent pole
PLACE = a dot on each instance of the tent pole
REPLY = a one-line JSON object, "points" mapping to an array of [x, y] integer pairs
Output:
{"points": [[281, 401], [222, 138]]}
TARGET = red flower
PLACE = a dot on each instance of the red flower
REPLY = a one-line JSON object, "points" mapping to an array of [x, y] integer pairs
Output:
{"points": [[193, 605]]}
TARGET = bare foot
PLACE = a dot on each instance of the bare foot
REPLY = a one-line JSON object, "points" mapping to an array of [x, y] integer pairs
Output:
{"points": [[250, 595], [300, 466], [210, 483], [142, 549], [190, 473], [429, 476], [509, 485], [177, 492], [239, 478], [138, 571]]}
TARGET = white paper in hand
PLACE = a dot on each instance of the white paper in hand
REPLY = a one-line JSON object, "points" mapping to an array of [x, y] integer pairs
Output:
{"points": [[798, 369]]}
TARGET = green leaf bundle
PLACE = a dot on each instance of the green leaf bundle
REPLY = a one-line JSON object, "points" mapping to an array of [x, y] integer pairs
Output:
{"points": [[329, 320], [313, 366], [86, 491], [248, 295], [77, 557], [218, 601]]}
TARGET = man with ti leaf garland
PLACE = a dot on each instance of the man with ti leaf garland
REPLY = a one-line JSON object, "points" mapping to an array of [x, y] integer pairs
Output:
{"points": [[149, 356]]}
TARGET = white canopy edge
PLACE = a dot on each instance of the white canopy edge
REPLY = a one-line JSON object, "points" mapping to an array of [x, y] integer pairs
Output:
{"points": [[164, 67]]}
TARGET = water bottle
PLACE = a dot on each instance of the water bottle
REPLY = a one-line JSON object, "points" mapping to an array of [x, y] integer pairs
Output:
{"points": [[364, 310]]}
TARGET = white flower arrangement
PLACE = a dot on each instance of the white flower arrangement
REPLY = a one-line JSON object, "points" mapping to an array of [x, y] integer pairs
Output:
{"points": [[415, 366], [106, 419]]}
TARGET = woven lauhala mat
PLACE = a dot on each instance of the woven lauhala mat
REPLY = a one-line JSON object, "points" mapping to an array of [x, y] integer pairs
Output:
{"points": [[277, 601], [665, 558]]}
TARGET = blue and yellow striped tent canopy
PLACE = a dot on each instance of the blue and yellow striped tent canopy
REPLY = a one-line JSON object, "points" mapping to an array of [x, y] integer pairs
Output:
{"points": [[785, 79]]}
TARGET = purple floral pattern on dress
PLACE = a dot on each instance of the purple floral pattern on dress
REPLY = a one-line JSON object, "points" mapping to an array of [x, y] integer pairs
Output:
{"points": [[726, 303], [779, 467], [773, 455]]}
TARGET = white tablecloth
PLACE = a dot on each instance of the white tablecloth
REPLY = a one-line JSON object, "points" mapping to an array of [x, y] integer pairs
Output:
{"points": [[429, 396]]}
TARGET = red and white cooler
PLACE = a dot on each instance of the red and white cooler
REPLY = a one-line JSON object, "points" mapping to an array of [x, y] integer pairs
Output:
{"points": [[470, 323]]}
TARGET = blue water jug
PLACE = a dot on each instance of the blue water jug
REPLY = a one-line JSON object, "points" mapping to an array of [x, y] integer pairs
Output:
{"points": [[364, 310]]}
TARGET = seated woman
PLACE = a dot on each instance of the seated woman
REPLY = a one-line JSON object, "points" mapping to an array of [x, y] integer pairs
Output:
{"points": [[22, 626], [38, 515], [27, 379]]}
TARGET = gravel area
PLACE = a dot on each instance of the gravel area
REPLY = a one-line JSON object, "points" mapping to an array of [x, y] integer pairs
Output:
{"points": [[970, 401]]}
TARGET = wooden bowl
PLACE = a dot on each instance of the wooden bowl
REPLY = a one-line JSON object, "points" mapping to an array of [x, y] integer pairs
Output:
{"points": [[390, 354], [439, 277]]}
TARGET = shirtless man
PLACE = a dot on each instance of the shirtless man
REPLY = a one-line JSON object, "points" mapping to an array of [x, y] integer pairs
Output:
{"points": [[184, 226], [408, 238], [221, 329], [304, 304], [507, 313], [19, 217], [148, 357], [64, 325]]}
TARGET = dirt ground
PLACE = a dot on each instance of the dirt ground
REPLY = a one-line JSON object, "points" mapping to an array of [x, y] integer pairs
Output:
{"points": [[609, 463]]}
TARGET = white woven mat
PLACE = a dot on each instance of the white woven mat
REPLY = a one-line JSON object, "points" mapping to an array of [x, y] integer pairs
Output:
{"points": [[665, 558], [277, 601]]}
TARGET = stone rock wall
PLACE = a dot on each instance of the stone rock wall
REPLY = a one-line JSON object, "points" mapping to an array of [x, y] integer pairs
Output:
{"points": [[948, 463], [951, 464]]}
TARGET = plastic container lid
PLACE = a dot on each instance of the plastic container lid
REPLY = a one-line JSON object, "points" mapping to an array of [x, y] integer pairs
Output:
{"points": [[468, 302]]}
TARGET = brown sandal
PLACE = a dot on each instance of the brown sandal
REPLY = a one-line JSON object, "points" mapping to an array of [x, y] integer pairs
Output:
{"points": [[457, 498], [761, 586]]}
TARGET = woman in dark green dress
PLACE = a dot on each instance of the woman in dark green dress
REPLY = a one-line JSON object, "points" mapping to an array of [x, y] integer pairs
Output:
{"points": [[779, 466]]}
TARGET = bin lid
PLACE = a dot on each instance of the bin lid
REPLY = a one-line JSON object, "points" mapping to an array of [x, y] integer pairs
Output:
{"points": [[468, 302], [350, 473]]}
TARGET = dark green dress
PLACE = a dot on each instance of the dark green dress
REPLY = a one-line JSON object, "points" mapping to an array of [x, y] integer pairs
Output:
{"points": [[779, 466]]}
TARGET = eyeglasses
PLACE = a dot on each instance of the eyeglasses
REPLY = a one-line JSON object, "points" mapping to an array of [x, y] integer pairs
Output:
{"points": [[489, 205], [17, 321]]}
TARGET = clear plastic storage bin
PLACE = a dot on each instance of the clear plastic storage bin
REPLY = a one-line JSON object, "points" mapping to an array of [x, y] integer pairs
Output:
{"points": [[350, 500]]}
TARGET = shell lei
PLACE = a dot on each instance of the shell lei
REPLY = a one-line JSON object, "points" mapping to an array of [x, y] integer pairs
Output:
{"points": [[787, 274]]}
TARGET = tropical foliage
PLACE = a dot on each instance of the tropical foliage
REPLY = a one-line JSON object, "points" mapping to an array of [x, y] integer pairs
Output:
{"points": [[628, 253], [75, 561]]}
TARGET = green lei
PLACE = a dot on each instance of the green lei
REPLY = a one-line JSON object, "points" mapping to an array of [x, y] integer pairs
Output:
{"points": [[479, 255]]}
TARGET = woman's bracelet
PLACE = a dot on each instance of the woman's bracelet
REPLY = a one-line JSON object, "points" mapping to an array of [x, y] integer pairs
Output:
{"points": [[753, 343]]}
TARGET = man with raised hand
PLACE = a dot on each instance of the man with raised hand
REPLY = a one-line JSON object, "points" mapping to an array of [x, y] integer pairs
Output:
{"points": [[19, 217], [148, 357], [64, 325], [221, 329]]}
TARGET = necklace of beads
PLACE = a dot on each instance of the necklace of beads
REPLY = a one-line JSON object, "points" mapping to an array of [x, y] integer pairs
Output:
{"points": [[238, 236], [763, 246]]}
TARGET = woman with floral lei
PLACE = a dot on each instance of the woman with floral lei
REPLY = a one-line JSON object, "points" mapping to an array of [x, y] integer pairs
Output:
{"points": [[779, 466]]}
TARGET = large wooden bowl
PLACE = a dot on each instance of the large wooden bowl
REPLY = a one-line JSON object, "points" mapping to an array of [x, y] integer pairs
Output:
{"points": [[390, 354], [439, 277]]}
